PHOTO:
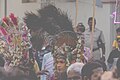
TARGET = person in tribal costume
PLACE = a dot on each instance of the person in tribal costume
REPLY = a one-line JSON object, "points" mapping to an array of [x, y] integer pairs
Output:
{"points": [[49, 22], [61, 67]]}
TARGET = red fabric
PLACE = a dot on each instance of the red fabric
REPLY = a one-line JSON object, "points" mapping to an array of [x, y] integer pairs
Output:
{"points": [[13, 19]]}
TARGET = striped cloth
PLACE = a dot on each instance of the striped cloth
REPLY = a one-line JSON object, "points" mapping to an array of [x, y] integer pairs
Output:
{"points": [[47, 64]]}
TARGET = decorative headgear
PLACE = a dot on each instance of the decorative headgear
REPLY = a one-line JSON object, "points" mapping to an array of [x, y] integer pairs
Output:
{"points": [[49, 19], [64, 43], [15, 35], [52, 21]]}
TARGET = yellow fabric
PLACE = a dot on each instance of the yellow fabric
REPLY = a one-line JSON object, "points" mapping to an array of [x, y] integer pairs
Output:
{"points": [[118, 36], [36, 67], [115, 44]]}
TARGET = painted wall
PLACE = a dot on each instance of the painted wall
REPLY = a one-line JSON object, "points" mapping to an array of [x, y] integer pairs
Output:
{"points": [[1, 8], [18, 8]]}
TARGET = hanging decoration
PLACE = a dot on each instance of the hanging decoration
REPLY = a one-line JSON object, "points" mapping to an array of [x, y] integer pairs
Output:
{"points": [[116, 14]]}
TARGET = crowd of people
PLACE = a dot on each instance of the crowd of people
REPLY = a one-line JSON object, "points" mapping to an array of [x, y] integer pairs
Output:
{"points": [[46, 47]]}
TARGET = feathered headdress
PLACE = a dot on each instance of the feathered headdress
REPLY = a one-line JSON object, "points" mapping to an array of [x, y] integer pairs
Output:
{"points": [[50, 19], [55, 22], [32, 21]]}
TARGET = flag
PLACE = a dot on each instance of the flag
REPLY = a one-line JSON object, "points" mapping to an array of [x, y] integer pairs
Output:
{"points": [[99, 3]]}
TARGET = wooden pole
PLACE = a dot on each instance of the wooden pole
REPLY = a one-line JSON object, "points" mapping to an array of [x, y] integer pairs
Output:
{"points": [[5, 13], [92, 33], [76, 13]]}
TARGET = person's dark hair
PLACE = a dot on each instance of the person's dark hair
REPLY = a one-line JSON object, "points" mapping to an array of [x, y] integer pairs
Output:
{"points": [[2, 61], [90, 18], [118, 39], [2, 74], [104, 66], [61, 56], [88, 68], [118, 67], [81, 26], [118, 30], [48, 48], [17, 73], [37, 42]]}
